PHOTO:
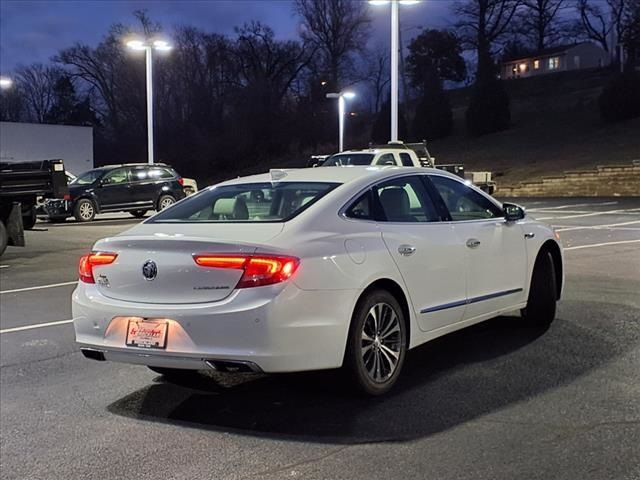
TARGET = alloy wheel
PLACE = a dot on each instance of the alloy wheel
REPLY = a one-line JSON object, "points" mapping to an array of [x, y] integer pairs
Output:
{"points": [[381, 342], [166, 202], [86, 211]]}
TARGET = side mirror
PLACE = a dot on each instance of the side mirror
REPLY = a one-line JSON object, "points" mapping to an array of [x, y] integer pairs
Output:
{"points": [[513, 212]]}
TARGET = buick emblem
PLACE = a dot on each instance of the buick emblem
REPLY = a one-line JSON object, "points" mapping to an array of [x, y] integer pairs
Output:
{"points": [[149, 270]]}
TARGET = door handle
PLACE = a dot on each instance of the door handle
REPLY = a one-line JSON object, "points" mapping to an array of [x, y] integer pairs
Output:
{"points": [[406, 250], [473, 243]]}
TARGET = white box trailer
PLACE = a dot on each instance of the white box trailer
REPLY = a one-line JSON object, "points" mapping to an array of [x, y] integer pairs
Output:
{"points": [[24, 142]]}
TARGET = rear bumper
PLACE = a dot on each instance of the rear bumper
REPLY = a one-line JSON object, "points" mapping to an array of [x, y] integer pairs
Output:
{"points": [[57, 208], [270, 329]]}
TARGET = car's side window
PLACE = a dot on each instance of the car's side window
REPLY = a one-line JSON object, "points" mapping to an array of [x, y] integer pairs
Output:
{"points": [[157, 173], [463, 202], [362, 208], [117, 176], [139, 174], [386, 159], [406, 160], [405, 199]]}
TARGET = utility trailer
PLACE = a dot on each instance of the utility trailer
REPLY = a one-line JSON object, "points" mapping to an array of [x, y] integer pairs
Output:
{"points": [[22, 184]]}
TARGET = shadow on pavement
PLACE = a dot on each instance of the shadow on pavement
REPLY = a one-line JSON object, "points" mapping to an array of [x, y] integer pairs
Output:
{"points": [[445, 383]]}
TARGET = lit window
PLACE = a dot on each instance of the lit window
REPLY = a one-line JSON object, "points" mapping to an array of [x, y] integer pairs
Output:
{"points": [[554, 63], [523, 67], [536, 64]]}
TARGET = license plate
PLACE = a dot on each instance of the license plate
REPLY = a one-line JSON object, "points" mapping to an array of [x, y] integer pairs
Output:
{"points": [[147, 333]]}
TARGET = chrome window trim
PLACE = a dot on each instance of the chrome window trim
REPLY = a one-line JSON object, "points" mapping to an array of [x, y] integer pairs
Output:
{"points": [[347, 205]]}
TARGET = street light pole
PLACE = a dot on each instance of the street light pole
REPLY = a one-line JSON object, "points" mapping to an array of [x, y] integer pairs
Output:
{"points": [[148, 49], [149, 75], [341, 111], [394, 70], [395, 29]]}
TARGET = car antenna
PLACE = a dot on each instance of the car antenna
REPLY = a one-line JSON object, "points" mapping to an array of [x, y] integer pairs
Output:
{"points": [[277, 174]]}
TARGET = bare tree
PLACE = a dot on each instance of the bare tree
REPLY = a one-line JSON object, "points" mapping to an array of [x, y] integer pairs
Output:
{"points": [[540, 23], [36, 82], [597, 22], [481, 24], [338, 28], [378, 75]]}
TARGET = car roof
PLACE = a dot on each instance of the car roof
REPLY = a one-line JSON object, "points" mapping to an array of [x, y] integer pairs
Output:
{"points": [[120, 165], [347, 174]]}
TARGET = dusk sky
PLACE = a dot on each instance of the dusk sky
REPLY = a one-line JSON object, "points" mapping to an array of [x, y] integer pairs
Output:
{"points": [[34, 31]]}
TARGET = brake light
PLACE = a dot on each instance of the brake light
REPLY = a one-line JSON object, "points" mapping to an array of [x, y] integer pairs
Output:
{"points": [[87, 262], [181, 181], [66, 197], [258, 270]]}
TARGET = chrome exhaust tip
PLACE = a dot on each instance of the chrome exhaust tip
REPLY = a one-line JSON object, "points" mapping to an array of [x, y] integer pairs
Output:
{"points": [[93, 354], [233, 366]]}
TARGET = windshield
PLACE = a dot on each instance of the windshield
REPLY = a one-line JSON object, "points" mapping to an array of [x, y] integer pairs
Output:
{"points": [[88, 178], [249, 203], [342, 159]]}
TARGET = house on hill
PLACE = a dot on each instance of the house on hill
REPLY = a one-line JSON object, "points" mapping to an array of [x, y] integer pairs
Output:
{"points": [[555, 59]]}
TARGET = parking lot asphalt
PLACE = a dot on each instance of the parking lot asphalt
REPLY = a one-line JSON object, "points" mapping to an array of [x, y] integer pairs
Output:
{"points": [[496, 401]]}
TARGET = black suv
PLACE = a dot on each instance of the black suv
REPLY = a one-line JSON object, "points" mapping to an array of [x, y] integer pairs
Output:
{"points": [[134, 188]]}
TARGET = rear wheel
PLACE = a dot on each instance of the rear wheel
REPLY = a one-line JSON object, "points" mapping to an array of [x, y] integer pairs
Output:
{"points": [[377, 343], [541, 304], [84, 210], [138, 213], [165, 201]]}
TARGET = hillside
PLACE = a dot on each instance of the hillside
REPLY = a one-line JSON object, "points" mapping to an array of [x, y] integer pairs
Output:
{"points": [[555, 127]]}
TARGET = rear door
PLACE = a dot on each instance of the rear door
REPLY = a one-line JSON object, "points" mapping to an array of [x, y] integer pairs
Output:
{"points": [[494, 249], [144, 184], [426, 251], [113, 192]]}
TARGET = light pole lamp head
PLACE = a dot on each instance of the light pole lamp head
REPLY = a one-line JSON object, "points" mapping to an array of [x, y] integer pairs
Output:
{"points": [[136, 45], [5, 83], [348, 95], [162, 45], [386, 2], [333, 95]]}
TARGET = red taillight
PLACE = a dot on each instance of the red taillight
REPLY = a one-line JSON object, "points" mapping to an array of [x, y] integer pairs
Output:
{"points": [[87, 262], [67, 197], [181, 181], [258, 270]]}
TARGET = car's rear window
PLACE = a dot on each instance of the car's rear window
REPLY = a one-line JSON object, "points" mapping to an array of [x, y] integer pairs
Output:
{"points": [[248, 203], [343, 159]]}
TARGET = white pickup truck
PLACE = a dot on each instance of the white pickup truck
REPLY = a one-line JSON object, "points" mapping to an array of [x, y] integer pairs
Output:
{"points": [[403, 155]]}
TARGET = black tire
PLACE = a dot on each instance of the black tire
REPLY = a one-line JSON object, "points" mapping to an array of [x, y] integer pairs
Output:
{"points": [[84, 210], [165, 201], [362, 354], [138, 213], [4, 237], [29, 218], [541, 304]]}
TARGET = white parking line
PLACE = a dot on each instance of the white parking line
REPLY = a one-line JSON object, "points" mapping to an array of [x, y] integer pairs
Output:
{"points": [[39, 287], [4, 266], [543, 211], [36, 325], [573, 206], [566, 229], [631, 211], [578, 247]]}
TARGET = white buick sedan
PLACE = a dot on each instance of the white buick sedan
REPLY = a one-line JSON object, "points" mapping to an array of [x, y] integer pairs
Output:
{"points": [[313, 269]]}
